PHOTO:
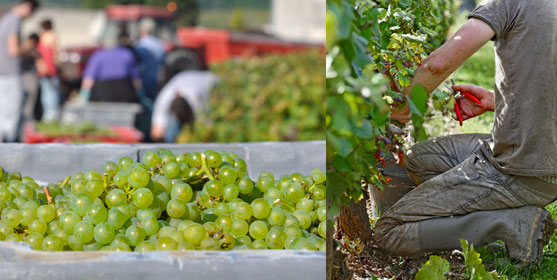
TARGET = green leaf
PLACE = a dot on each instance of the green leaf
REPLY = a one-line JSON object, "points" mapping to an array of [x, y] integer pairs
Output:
{"points": [[419, 97], [364, 131], [414, 38], [433, 269], [332, 29]]}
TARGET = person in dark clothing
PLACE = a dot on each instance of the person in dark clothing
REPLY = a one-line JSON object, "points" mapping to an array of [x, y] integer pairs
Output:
{"points": [[29, 78]]}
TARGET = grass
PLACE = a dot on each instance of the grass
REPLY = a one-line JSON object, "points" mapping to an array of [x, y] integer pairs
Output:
{"points": [[480, 70]]}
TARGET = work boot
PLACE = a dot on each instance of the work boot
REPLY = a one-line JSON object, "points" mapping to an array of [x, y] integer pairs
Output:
{"points": [[525, 231]]}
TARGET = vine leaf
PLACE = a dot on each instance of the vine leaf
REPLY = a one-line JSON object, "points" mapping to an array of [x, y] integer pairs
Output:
{"points": [[434, 269]]}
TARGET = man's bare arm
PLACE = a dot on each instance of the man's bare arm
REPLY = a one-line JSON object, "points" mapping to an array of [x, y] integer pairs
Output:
{"points": [[446, 59]]}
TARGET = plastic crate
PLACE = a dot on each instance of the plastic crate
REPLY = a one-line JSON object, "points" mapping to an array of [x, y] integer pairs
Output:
{"points": [[52, 162], [101, 113]]}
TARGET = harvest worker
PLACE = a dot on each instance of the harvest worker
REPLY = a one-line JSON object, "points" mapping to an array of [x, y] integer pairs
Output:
{"points": [[479, 187], [11, 91]]}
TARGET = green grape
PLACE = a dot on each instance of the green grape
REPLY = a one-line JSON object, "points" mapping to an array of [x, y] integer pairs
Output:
{"points": [[214, 159], [322, 229], [240, 164], [114, 197], [79, 186], [289, 240], [183, 224], [151, 159], [121, 178], [52, 243], [145, 246], [124, 163], [291, 220], [243, 211], [184, 170], [318, 176], [244, 239], [293, 230], [321, 213], [231, 192], [258, 230], [125, 208], [305, 204], [239, 227], [227, 241], [304, 217], [167, 157], [267, 174], [275, 239], [227, 175], [142, 197], [84, 231], [258, 245], [80, 203], [27, 214], [35, 240], [166, 243], [194, 213], [176, 208], [193, 159], [150, 225], [273, 194], [5, 230], [11, 217], [143, 214], [294, 192], [116, 219], [209, 244], [264, 183], [92, 247], [62, 235], [120, 247], [221, 209], [181, 158], [277, 216], [135, 234], [68, 220], [53, 227], [37, 226], [227, 158], [185, 246], [162, 198], [181, 191], [211, 227], [224, 222], [214, 188], [195, 233], [74, 243], [19, 201], [5, 194], [26, 191], [171, 170], [319, 193], [111, 168], [245, 185], [96, 213], [31, 204], [14, 237], [103, 233], [93, 174], [162, 183], [138, 177], [320, 203]]}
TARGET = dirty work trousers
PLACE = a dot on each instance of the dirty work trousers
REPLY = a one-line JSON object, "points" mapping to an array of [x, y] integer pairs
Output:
{"points": [[460, 194]]}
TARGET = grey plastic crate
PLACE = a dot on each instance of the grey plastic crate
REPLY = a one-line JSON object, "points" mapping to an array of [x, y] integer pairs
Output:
{"points": [[52, 162], [101, 113], [18, 261]]}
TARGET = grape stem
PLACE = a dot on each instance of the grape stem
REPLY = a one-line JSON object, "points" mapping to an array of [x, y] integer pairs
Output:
{"points": [[206, 168], [65, 182], [48, 196], [284, 203]]}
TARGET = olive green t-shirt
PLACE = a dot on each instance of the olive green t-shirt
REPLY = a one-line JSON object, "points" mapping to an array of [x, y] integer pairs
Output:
{"points": [[524, 134]]}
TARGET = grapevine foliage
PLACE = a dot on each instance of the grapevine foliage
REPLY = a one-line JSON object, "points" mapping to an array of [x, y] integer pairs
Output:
{"points": [[373, 47], [270, 98]]}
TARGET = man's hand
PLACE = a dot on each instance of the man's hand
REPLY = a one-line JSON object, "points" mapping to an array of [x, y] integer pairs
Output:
{"points": [[469, 108], [157, 133]]}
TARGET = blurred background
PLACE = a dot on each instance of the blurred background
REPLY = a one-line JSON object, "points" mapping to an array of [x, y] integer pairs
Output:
{"points": [[164, 71]]}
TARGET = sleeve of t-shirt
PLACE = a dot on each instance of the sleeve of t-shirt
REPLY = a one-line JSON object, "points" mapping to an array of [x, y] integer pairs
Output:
{"points": [[91, 69], [500, 15], [161, 111]]}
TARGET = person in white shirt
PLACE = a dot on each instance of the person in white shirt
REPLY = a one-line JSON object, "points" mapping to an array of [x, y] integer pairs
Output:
{"points": [[183, 99]]}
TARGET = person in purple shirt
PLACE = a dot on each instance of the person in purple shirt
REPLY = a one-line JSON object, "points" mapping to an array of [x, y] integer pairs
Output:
{"points": [[111, 75]]}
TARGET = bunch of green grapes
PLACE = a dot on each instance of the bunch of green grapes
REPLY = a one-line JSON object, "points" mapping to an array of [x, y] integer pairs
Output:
{"points": [[190, 201]]}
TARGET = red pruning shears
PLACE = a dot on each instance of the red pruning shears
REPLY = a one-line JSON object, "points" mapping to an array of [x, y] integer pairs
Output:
{"points": [[461, 94]]}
